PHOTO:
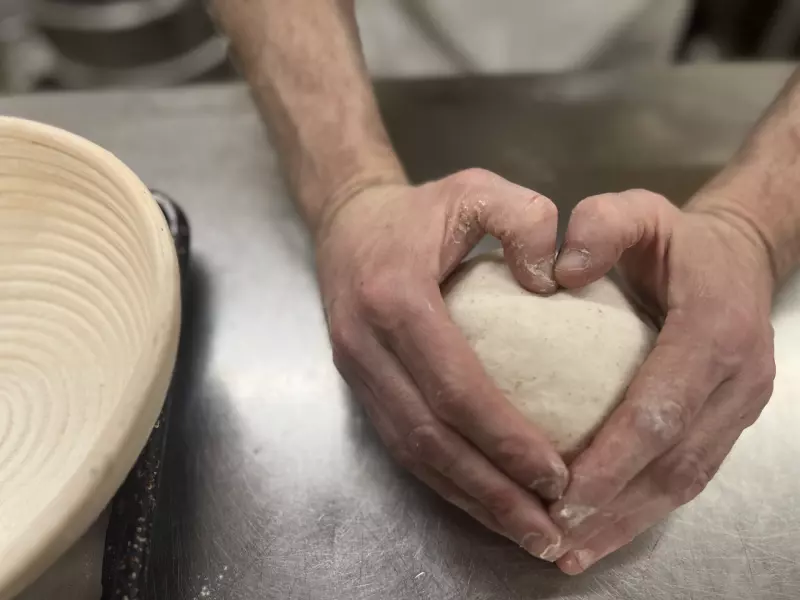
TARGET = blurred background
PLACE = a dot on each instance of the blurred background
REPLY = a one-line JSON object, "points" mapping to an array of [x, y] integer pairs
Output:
{"points": [[79, 44]]}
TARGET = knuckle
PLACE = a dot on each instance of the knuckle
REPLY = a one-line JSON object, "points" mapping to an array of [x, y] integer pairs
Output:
{"points": [[760, 392], [767, 370], [767, 388], [593, 486], [733, 342], [765, 355], [688, 476], [545, 208], [460, 502], [624, 528], [645, 195], [747, 345], [661, 423], [377, 293], [765, 383], [402, 453], [500, 502], [403, 457], [423, 445], [591, 216], [603, 207], [595, 206], [345, 339], [448, 404], [386, 301], [474, 177], [511, 453], [736, 332], [750, 415], [770, 368]]}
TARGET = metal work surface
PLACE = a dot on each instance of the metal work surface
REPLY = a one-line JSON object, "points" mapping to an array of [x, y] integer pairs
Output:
{"points": [[276, 486]]}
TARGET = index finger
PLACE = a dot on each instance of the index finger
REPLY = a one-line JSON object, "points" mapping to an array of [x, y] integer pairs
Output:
{"points": [[662, 400], [442, 458], [460, 392]]}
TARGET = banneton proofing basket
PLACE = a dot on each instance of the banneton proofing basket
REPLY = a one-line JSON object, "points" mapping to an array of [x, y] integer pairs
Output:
{"points": [[89, 325]]}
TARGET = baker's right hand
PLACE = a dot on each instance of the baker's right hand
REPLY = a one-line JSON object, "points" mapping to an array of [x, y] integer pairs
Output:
{"points": [[381, 255]]}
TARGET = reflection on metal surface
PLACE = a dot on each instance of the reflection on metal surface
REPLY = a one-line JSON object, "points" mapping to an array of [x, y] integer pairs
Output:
{"points": [[276, 486]]}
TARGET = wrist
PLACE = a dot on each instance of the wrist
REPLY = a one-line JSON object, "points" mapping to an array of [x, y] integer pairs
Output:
{"points": [[745, 246], [338, 196], [758, 203]]}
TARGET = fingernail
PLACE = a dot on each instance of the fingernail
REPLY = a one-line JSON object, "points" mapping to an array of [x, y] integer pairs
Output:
{"points": [[549, 489], [552, 488], [574, 260], [552, 552], [538, 545], [541, 271], [570, 565], [573, 515], [585, 558], [576, 562]]}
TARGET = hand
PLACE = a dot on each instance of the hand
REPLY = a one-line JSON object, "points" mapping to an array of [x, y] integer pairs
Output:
{"points": [[706, 277], [381, 257]]}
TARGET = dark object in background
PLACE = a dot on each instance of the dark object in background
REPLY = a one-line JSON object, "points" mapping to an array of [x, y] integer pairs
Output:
{"points": [[128, 43], [126, 560], [749, 29]]}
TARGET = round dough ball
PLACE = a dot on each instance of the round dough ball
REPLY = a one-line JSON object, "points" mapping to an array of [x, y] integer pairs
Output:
{"points": [[564, 360]]}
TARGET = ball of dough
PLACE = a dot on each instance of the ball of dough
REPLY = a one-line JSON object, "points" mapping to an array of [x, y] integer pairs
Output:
{"points": [[564, 360]]}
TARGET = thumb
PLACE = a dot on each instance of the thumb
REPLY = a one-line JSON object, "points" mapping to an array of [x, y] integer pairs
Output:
{"points": [[601, 228]]}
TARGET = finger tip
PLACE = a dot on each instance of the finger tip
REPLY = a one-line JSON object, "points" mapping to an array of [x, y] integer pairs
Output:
{"points": [[569, 564], [553, 553], [549, 548], [573, 259], [547, 287], [534, 274], [552, 488], [569, 280], [539, 286], [576, 267], [560, 482]]}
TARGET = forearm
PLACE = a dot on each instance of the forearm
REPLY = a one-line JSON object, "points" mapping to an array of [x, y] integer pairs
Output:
{"points": [[760, 188], [304, 64]]}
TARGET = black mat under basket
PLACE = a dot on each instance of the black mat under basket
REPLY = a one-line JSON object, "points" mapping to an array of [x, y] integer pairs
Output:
{"points": [[130, 528]]}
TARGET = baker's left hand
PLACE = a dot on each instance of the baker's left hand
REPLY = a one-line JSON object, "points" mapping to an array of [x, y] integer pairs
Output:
{"points": [[705, 276]]}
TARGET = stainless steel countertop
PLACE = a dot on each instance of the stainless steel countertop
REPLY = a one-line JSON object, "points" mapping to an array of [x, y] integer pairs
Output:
{"points": [[276, 485]]}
